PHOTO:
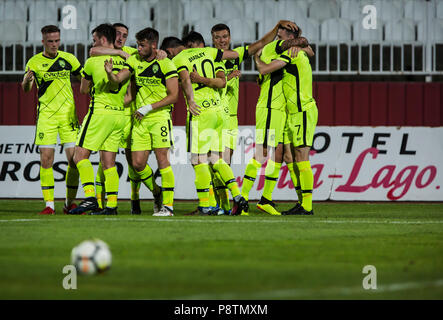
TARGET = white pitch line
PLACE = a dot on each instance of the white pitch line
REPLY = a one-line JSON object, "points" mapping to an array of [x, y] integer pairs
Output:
{"points": [[247, 220], [300, 293]]}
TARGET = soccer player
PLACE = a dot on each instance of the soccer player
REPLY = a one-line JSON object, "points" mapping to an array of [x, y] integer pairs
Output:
{"points": [[221, 38], [204, 119], [156, 83], [51, 71], [301, 118], [125, 52], [103, 126], [270, 115]]}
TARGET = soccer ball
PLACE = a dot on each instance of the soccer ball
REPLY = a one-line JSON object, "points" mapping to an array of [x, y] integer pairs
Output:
{"points": [[91, 257]]}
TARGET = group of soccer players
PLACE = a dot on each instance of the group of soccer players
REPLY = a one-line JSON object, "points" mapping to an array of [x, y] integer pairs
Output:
{"points": [[132, 94]]}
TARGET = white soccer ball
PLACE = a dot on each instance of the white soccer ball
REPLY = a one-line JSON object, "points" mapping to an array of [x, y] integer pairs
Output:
{"points": [[91, 257]]}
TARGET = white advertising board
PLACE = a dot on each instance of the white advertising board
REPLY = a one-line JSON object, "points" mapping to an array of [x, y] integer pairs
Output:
{"points": [[349, 163]]}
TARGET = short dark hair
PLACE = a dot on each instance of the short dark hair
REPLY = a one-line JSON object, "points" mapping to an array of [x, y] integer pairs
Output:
{"points": [[171, 42], [119, 24], [193, 37], [220, 27], [50, 29], [295, 33], [105, 30], [149, 34]]}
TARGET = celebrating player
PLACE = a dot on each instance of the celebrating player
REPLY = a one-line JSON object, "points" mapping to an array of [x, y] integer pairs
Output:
{"points": [[204, 120], [156, 83], [103, 126], [51, 70], [125, 52]]}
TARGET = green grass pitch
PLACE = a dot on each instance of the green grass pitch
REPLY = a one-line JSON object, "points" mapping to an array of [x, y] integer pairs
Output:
{"points": [[246, 257]]}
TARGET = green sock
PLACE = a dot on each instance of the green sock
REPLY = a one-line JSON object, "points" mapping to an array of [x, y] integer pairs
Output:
{"points": [[306, 183], [168, 184], [47, 184], [202, 183], [147, 178], [271, 177], [100, 186], [227, 176], [221, 192], [72, 178], [135, 183], [86, 172], [111, 186], [295, 177], [249, 177]]}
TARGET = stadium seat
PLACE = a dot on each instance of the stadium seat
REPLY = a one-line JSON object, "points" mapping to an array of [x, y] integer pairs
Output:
{"points": [[323, 10], [310, 29], [137, 9], [291, 10], [135, 25], [79, 35], [195, 10], [260, 11], [204, 27], [44, 10], [435, 34], [83, 11], [335, 30], [34, 29], [400, 30], [367, 35], [350, 9], [108, 10], [168, 18], [439, 11], [416, 10], [15, 10], [387, 10], [242, 30], [12, 31], [229, 9]]}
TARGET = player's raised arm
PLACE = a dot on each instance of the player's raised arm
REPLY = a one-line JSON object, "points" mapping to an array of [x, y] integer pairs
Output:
{"points": [[218, 82], [103, 51], [264, 68], [123, 75], [171, 98], [297, 42], [28, 80], [186, 85], [270, 36]]}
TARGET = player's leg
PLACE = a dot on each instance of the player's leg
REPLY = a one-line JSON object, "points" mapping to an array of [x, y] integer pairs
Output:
{"points": [[307, 120], [111, 180], [168, 181], [46, 139], [47, 178], [289, 159], [72, 178], [100, 184], [135, 182], [68, 130]]}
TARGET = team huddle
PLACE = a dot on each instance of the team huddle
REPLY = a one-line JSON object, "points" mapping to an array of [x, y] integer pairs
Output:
{"points": [[133, 92]]}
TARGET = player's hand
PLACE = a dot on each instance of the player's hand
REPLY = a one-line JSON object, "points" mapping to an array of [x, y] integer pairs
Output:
{"points": [[138, 116], [124, 54], [288, 25], [194, 109], [258, 53], [234, 74], [108, 65], [29, 77], [161, 54], [194, 76], [293, 51]]}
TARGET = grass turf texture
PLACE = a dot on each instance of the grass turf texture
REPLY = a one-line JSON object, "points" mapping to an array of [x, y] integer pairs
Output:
{"points": [[245, 257]]}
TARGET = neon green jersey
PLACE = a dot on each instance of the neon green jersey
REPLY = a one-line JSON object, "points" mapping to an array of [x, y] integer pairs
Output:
{"points": [[150, 79], [203, 61], [107, 98], [53, 79], [271, 85], [130, 109], [297, 84], [233, 85]]}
